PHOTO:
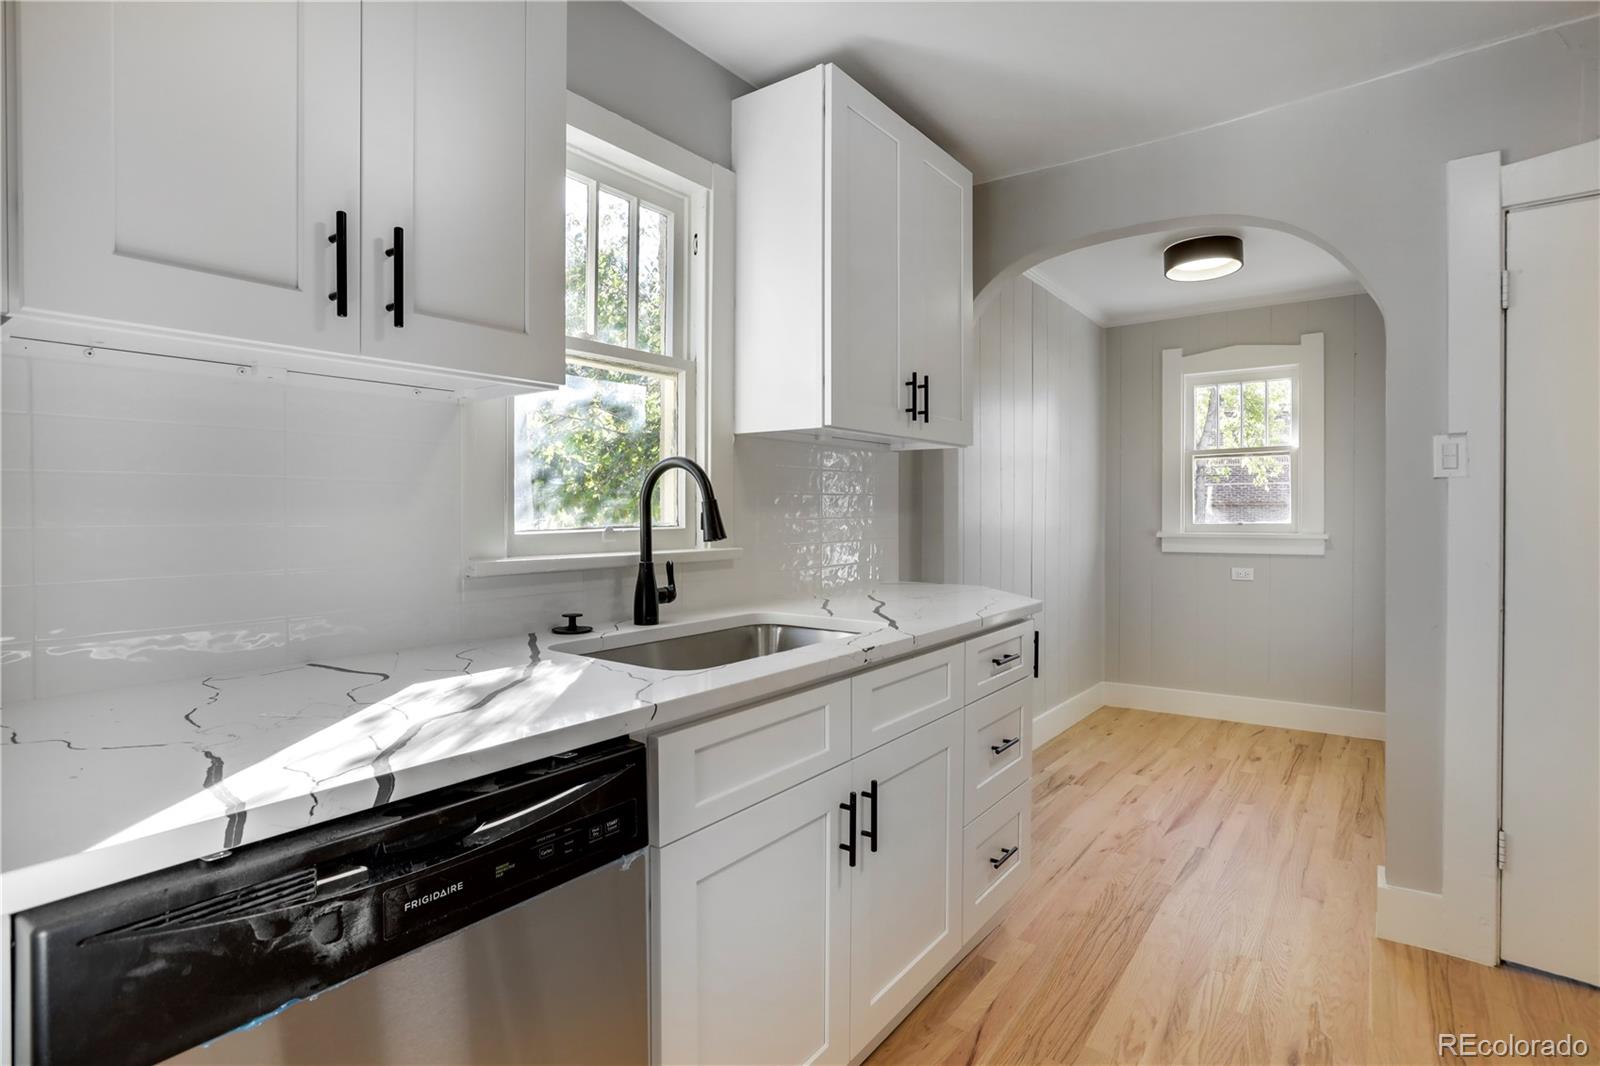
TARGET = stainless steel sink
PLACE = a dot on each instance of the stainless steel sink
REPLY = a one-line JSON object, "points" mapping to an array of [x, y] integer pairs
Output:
{"points": [[719, 647]]}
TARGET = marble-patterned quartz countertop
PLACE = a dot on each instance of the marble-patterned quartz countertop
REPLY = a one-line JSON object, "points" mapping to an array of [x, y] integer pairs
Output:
{"points": [[104, 786]]}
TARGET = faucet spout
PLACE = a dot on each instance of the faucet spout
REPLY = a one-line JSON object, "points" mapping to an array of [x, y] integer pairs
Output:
{"points": [[647, 598]]}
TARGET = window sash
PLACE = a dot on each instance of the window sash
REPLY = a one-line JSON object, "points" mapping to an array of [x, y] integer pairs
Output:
{"points": [[639, 193], [1189, 452], [678, 286]]}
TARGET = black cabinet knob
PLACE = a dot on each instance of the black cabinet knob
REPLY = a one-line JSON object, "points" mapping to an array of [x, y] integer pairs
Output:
{"points": [[572, 627]]}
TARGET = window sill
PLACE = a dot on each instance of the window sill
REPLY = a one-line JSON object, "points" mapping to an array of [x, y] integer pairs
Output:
{"points": [[1245, 543], [548, 564]]}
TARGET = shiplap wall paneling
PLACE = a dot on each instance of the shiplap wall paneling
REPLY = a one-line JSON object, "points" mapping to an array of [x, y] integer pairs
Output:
{"points": [[1307, 629], [1032, 487]]}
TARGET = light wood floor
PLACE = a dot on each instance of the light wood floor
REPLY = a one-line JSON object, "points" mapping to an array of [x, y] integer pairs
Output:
{"points": [[1204, 892]]}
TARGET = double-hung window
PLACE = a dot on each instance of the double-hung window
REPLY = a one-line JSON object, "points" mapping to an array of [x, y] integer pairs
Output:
{"points": [[1242, 463], [630, 397]]}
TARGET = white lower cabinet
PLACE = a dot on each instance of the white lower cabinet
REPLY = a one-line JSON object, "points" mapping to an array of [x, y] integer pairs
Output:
{"points": [[996, 859], [752, 934], [905, 911], [801, 927]]}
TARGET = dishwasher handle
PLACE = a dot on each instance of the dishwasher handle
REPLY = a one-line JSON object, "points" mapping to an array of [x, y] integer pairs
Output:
{"points": [[489, 832]]}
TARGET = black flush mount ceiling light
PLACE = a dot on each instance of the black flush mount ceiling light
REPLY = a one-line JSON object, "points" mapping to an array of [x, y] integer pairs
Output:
{"points": [[1203, 258]]}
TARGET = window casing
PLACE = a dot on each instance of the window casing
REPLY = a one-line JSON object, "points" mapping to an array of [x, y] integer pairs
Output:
{"points": [[632, 394], [1242, 444]]}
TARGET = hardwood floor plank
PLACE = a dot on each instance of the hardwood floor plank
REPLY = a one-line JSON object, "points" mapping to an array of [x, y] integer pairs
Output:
{"points": [[1204, 892]]}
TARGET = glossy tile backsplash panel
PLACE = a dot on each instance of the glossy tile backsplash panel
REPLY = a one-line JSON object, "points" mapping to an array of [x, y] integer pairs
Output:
{"points": [[159, 525]]}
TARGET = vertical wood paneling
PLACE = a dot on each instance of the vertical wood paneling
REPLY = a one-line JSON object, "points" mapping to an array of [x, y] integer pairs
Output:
{"points": [[1032, 493], [1307, 629]]}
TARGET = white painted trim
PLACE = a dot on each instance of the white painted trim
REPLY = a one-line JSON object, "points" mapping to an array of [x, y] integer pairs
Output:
{"points": [[1245, 543], [1573, 171], [1069, 712], [1250, 710], [1425, 920], [545, 564], [1306, 358]]}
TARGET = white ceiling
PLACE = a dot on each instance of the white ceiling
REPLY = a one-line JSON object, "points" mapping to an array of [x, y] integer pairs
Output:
{"points": [[1121, 282], [1011, 87]]}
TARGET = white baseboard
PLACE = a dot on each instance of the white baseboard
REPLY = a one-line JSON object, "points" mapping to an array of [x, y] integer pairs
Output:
{"points": [[1069, 712], [1251, 710], [1426, 920]]}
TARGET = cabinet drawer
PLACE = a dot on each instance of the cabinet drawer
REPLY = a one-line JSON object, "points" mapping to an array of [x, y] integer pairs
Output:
{"points": [[893, 700], [999, 745], [994, 660], [989, 840], [709, 770]]}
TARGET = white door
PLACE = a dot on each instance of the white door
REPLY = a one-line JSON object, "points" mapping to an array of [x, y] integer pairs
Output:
{"points": [[752, 934], [464, 156], [1550, 890], [182, 165], [936, 292], [865, 390], [905, 914]]}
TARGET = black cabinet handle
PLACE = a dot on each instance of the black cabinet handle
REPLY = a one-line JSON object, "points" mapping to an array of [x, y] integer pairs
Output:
{"points": [[849, 847], [1005, 745], [927, 379], [398, 253], [1005, 857], [341, 271], [912, 385], [1006, 660], [872, 834]]}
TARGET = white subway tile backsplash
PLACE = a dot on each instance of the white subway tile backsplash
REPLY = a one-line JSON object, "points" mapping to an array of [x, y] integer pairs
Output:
{"points": [[16, 673], [126, 446], [181, 525], [16, 441], [16, 557], [16, 499], [311, 410], [16, 615], [354, 457], [14, 385], [62, 498], [102, 553], [84, 608], [99, 391]]}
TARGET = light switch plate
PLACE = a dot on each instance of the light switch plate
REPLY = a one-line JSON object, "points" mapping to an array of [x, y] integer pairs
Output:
{"points": [[1450, 455], [1244, 573]]}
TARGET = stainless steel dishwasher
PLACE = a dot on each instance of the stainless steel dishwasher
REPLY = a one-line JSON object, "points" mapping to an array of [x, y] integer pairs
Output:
{"points": [[500, 920]]}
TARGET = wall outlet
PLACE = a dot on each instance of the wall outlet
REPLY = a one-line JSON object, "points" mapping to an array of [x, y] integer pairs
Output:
{"points": [[1244, 573]]}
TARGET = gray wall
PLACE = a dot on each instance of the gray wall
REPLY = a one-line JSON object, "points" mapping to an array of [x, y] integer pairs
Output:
{"points": [[1362, 172], [1307, 629], [1030, 510], [622, 61]]}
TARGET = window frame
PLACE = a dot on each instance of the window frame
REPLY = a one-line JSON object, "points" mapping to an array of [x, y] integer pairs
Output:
{"points": [[612, 174], [491, 547], [1302, 363]]}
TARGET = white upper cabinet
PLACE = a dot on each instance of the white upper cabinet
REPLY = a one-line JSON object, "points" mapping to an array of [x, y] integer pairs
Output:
{"points": [[183, 165], [854, 268], [463, 140], [183, 170]]}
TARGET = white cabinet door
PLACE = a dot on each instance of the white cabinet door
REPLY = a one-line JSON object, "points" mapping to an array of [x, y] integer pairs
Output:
{"points": [[752, 934], [463, 157], [936, 291], [867, 143], [181, 165], [905, 916]]}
